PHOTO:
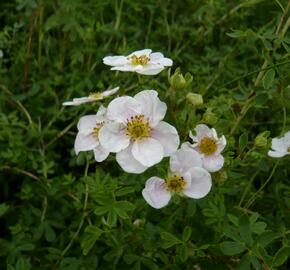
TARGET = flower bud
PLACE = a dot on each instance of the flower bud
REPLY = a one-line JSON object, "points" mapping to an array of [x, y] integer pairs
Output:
{"points": [[209, 117], [262, 139], [195, 100], [178, 81]]}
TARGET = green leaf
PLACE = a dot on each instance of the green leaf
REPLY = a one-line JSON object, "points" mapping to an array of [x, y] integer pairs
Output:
{"points": [[232, 248], [266, 238], [124, 191], [92, 235], [101, 210], [268, 79], [49, 233], [112, 218], [3, 209], [186, 233], [23, 264], [244, 263], [281, 256], [243, 141], [245, 231], [170, 239]]}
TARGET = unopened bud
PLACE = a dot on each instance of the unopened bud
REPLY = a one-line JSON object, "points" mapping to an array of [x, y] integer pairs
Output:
{"points": [[178, 81], [262, 139], [195, 100], [209, 117]]}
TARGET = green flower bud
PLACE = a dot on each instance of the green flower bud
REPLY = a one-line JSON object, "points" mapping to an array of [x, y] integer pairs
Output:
{"points": [[262, 139], [209, 117], [178, 81], [195, 100]]}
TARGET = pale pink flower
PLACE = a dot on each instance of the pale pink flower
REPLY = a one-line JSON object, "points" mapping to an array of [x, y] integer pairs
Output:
{"points": [[136, 132], [88, 134], [280, 146], [207, 143], [187, 178], [144, 62], [91, 97]]}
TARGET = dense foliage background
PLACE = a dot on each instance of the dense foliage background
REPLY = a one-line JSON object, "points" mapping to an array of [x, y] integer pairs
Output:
{"points": [[60, 211]]}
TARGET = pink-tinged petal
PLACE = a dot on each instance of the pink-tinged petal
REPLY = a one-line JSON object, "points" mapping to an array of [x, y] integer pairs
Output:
{"points": [[147, 151], [155, 192], [122, 108], [213, 163], [184, 159], [110, 92], [150, 69], [221, 144], [194, 138], [168, 137], [128, 163], [113, 138], [101, 111], [152, 107], [277, 154], [139, 53], [100, 153], [78, 101], [278, 144], [85, 143], [203, 131], [115, 60], [87, 123], [200, 183]]}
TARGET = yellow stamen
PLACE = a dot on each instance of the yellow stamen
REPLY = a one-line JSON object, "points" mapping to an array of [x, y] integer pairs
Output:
{"points": [[138, 127], [207, 146], [141, 60], [96, 95], [96, 129], [175, 183]]}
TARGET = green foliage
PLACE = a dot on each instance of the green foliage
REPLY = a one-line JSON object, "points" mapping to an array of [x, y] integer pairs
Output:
{"points": [[62, 211]]}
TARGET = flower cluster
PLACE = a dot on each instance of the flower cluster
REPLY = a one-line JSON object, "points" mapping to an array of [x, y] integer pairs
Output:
{"points": [[133, 129]]}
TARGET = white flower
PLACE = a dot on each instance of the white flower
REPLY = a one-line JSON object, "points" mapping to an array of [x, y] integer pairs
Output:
{"points": [[207, 143], [137, 133], [144, 62], [280, 146], [187, 178], [88, 136], [92, 97]]}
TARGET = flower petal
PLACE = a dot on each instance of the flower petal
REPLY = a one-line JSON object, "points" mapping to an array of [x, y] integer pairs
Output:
{"points": [[128, 163], [78, 101], [85, 142], [213, 163], [168, 137], [100, 153], [221, 144], [184, 159], [110, 92], [113, 138], [158, 58], [122, 108], [277, 154], [147, 151], [152, 107], [101, 112], [87, 123], [150, 69], [139, 53], [115, 60], [278, 144], [127, 67], [203, 131], [200, 183], [155, 192]]}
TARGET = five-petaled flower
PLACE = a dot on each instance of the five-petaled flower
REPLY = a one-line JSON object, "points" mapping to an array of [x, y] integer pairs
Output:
{"points": [[144, 62], [91, 97], [136, 132], [88, 136], [280, 146], [187, 178], [207, 143]]}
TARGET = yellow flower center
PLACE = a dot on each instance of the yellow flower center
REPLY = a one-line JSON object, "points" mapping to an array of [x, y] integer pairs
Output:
{"points": [[207, 146], [175, 183], [96, 129], [96, 95], [138, 127], [141, 60]]}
